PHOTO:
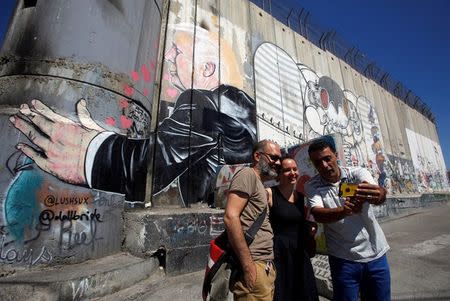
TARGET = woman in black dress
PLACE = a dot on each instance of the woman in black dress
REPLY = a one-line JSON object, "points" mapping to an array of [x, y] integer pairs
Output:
{"points": [[295, 276]]}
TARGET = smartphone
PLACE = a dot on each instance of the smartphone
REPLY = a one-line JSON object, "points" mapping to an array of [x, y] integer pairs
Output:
{"points": [[347, 189]]}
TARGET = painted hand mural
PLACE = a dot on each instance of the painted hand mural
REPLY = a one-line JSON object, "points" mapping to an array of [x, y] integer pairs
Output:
{"points": [[62, 143]]}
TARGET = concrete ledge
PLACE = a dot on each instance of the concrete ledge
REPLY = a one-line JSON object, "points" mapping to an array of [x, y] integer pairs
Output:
{"points": [[89, 279]]}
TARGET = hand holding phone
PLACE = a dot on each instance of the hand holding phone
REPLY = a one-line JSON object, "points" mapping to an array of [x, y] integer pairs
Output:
{"points": [[347, 189]]}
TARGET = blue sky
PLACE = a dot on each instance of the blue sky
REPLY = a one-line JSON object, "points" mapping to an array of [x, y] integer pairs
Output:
{"points": [[409, 39]]}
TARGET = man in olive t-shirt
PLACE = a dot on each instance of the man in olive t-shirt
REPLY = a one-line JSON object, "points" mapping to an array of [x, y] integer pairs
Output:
{"points": [[246, 200]]}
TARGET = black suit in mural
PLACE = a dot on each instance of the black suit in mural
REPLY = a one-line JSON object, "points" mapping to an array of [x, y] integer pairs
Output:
{"points": [[206, 128]]}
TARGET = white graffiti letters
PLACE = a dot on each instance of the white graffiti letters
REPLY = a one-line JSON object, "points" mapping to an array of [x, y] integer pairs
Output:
{"points": [[26, 256]]}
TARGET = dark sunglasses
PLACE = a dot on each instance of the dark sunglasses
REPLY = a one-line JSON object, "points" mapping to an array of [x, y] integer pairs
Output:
{"points": [[273, 158]]}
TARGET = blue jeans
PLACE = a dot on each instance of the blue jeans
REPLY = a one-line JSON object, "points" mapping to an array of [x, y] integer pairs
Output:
{"points": [[371, 279]]}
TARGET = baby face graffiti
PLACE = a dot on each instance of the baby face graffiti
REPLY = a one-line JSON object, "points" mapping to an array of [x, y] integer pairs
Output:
{"points": [[329, 111]]}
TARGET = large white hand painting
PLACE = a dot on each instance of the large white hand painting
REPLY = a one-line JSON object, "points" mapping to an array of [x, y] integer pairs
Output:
{"points": [[62, 142]]}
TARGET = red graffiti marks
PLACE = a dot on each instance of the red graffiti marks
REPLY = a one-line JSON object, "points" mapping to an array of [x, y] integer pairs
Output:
{"points": [[110, 121], [126, 122], [129, 91], [146, 73], [135, 76]]}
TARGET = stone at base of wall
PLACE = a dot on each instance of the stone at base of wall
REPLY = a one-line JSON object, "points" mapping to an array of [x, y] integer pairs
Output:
{"points": [[92, 278], [184, 233]]}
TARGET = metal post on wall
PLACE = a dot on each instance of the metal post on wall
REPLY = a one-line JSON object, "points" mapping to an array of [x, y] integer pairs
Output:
{"points": [[300, 21], [288, 22]]}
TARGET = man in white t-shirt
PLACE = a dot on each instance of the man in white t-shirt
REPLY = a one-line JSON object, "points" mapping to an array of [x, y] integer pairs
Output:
{"points": [[356, 243]]}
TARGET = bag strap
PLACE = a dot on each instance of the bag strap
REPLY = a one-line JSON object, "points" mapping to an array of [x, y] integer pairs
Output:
{"points": [[254, 228], [249, 237]]}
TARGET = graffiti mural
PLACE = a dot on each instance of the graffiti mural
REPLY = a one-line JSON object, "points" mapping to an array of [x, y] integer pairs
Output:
{"points": [[204, 122], [428, 162], [403, 179], [328, 110], [278, 96], [375, 158], [223, 179], [68, 165], [295, 104]]}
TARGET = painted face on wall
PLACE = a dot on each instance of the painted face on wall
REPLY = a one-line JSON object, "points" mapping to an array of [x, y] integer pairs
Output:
{"points": [[180, 58], [185, 72], [325, 161]]}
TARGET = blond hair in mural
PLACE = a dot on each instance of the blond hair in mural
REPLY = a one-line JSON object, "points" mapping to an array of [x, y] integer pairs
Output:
{"points": [[209, 57]]}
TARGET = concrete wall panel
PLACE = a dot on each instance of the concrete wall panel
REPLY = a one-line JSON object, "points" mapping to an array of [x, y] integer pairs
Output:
{"points": [[320, 61], [402, 143], [234, 23], [403, 109], [347, 77], [304, 53], [278, 95], [261, 27], [335, 69], [60, 199], [285, 38], [358, 82]]}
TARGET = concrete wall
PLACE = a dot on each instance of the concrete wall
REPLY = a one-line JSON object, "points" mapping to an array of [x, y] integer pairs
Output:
{"points": [[144, 102], [71, 71]]}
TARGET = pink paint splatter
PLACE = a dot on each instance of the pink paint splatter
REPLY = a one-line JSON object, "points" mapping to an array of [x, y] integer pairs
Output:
{"points": [[128, 90], [152, 64], [135, 76], [110, 121], [166, 76], [145, 92], [123, 103], [126, 122], [146, 73], [172, 92]]}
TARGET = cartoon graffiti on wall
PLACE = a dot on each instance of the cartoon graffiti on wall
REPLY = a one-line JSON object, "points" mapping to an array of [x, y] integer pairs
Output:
{"points": [[295, 104], [375, 158], [328, 110]]}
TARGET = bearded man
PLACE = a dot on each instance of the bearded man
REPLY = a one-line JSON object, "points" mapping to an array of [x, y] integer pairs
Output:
{"points": [[246, 200]]}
